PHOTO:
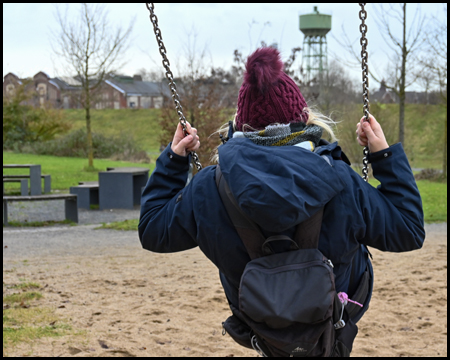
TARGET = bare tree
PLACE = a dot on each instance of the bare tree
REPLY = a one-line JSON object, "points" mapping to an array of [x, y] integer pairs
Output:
{"points": [[202, 94], [403, 49], [92, 49], [426, 80], [151, 75], [435, 62], [403, 46], [337, 88]]}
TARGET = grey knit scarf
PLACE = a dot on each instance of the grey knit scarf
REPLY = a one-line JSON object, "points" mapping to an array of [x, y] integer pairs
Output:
{"points": [[284, 134]]}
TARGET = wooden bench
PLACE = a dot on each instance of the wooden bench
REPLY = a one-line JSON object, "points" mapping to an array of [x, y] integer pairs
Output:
{"points": [[47, 181], [87, 192], [23, 185], [71, 208]]}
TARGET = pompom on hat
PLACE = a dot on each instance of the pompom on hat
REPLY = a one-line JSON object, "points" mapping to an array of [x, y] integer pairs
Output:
{"points": [[267, 94]]}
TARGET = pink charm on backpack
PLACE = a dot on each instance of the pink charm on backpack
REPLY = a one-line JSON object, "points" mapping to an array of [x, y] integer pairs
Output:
{"points": [[344, 299]]}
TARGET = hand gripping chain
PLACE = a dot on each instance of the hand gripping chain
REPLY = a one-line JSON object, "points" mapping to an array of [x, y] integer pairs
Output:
{"points": [[365, 80], [169, 76]]}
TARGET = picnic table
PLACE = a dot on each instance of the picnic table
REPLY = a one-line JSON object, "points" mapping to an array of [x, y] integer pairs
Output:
{"points": [[35, 176], [121, 187], [87, 192]]}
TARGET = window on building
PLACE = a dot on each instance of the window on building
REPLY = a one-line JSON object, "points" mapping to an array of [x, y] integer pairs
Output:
{"points": [[10, 90], [42, 89], [158, 102]]}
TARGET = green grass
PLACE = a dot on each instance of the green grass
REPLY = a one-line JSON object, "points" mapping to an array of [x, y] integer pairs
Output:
{"points": [[26, 285], [424, 131], [141, 124], [12, 335], [24, 320], [424, 127], [65, 171], [39, 223], [434, 199], [122, 225], [21, 297], [25, 324]]}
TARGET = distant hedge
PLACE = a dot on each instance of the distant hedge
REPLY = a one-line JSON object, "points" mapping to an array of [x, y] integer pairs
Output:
{"points": [[105, 147]]}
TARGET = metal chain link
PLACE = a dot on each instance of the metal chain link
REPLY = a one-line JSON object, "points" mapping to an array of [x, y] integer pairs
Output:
{"points": [[365, 81], [169, 76]]}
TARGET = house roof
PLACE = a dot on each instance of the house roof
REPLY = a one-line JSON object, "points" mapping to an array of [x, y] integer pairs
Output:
{"points": [[66, 83], [54, 84], [69, 80], [14, 76], [129, 86], [118, 88], [43, 73]]}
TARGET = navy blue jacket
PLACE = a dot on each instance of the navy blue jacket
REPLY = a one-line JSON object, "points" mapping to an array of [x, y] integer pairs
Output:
{"points": [[279, 187]]}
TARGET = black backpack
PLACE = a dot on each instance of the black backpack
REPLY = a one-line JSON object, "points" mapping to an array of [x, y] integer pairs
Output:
{"points": [[288, 305]]}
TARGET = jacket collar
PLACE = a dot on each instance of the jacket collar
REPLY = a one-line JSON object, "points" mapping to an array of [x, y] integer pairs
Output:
{"points": [[333, 149]]}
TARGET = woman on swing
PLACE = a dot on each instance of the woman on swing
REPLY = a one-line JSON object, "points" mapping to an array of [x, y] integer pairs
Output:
{"points": [[278, 170]]}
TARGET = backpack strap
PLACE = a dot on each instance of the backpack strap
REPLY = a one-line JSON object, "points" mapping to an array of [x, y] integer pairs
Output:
{"points": [[306, 235], [248, 230]]}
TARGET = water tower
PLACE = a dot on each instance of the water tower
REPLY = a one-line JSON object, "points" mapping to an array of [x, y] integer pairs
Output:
{"points": [[315, 27]]}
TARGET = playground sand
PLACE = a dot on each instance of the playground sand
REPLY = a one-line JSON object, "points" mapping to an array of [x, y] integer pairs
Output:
{"points": [[130, 302]]}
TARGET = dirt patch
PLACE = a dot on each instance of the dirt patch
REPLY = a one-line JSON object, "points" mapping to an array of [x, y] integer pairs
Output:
{"points": [[130, 302]]}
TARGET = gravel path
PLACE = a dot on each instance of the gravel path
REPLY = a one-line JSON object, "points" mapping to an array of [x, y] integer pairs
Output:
{"points": [[84, 239], [64, 240], [28, 211]]}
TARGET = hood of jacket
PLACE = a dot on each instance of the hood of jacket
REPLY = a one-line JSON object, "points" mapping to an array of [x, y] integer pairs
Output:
{"points": [[279, 187]]}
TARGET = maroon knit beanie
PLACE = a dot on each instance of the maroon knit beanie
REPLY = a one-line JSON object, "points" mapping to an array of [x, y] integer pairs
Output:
{"points": [[267, 94]]}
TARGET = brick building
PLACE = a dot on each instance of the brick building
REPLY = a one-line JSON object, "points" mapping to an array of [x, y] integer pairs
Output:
{"points": [[10, 83], [116, 92], [385, 96], [121, 92], [70, 90], [44, 90]]}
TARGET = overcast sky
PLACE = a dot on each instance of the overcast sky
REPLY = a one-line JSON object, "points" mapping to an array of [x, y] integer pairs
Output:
{"points": [[220, 28]]}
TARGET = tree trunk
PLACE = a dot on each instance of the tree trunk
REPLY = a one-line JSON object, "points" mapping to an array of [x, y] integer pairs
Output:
{"points": [[88, 127], [444, 164], [87, 90], [401, 124], [89, 139]]}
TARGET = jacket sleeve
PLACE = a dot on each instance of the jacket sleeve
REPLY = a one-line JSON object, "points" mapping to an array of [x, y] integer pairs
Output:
{"points": [[166, 223], [393, 211]]}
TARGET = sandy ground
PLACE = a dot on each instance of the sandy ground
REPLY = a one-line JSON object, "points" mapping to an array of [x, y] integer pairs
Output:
{"points": [[130, 302]]}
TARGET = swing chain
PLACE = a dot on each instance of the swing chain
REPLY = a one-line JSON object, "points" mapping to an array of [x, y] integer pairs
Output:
{"points": [[365, 80], [169, 76]]}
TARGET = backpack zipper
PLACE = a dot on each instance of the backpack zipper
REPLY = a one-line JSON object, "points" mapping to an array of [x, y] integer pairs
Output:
{"points": [[299, 266]]}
